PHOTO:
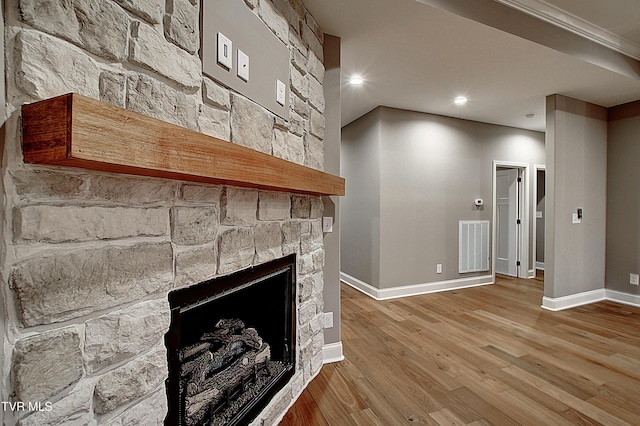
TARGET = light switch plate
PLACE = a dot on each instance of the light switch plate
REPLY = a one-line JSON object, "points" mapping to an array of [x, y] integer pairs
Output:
{"points": [[281, 92], [225, 51], [575, 218], [243, 65]]}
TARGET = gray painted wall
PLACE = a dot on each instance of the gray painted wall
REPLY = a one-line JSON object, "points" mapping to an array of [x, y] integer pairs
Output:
{"points": [[425, 172], [576, 147], [623, 198], [331, 84], [360, 208]]}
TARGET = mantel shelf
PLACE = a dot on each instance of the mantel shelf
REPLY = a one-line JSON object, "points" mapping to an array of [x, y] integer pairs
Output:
{"points": [[76, 131]]}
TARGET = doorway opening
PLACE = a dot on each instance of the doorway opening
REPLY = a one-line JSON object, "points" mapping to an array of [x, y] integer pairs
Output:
{"points": [[539, 223], [511, 219]]}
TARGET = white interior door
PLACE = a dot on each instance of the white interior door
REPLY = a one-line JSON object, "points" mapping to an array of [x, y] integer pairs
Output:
{"points": [[507, 221]]}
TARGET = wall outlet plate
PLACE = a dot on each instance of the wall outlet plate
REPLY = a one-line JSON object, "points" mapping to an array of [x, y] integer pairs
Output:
{"points": [[634, 279], [327, 224], [243, 65], [328, 320], [439, 268], [225, 51]]}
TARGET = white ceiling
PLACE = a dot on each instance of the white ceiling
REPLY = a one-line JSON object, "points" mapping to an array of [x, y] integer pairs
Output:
{"points": [[418, 57]]}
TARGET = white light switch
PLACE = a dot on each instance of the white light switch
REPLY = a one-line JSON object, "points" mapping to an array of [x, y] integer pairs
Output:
{"points": [[225, 51], [281, 92], [243, 65]]}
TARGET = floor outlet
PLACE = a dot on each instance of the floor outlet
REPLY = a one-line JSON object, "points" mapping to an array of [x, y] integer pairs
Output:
{"points": [[328, 320], [633, 279]]}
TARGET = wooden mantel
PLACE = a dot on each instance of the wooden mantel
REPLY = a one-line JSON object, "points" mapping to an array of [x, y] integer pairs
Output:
{"points": [[73, 130]]}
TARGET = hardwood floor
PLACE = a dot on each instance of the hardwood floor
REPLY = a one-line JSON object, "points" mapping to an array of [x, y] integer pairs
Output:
{"points": [[479, 356]]}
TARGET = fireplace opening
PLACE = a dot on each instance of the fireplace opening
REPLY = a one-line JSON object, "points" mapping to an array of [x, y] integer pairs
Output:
{"points": [[231, 345]]}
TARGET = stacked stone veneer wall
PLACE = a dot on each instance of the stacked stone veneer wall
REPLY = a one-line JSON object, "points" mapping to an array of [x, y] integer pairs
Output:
{"points": [[88, 258]]}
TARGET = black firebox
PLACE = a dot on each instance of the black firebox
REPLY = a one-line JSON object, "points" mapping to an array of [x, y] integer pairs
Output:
{"points": [[231, 345]]}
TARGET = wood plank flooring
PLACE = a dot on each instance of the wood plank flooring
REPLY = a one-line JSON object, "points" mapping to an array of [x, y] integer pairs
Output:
{"points": [[479, 356]]}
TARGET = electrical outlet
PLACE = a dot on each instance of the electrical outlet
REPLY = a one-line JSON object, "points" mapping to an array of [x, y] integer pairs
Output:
{"points": [[633, 279], [243, 65], [439, 268], [328, 320], [327, 224]]}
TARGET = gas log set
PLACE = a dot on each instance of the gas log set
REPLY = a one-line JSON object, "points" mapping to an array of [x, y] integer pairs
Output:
{"points": [[227, 367]]}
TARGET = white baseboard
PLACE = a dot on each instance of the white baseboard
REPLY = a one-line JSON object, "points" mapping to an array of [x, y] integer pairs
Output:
{"points": [[624, 298], [332, 352], [573, 300], [415, 289], [540, 265]]}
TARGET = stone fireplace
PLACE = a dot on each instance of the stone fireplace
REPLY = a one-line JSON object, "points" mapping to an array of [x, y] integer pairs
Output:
{"points": [[231, 344], [88, 258]]}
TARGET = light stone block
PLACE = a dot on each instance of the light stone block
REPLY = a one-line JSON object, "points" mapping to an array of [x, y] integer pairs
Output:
{"points": [[274, 20], [150, 50], [216, 95], [268, 240], [181, 24], [314, 152], [46, 364], [48, 67], [204, 194], [72, 410], [155, 99], [251, 125], [150, 411], [214, 122], [134, 191], [300, 207], [236, 249], [310, 39], [317, 208], [239, 206], [55, 224], [104, 28], [59, 286], [315, 67], [45, 184], [195, 265], [112, 88], [288, 146], [299, 84], [274, 206], [131, 381], [290, 237], [149, 10], [317, 124], [124, 334], [55, 17], [316, 94], [194, 225]]}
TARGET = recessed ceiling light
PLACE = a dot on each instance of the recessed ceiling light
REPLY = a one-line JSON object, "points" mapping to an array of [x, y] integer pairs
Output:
{"points": [[460, 100], [356, 80]]}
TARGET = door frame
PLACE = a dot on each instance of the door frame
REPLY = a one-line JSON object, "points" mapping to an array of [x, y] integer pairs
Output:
{"points": [[523, 244], [534, 197]]}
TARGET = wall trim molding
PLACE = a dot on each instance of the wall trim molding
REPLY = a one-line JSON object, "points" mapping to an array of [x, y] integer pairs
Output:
{"points": [[623, 298], [332, 352], [575, 300], [567, 21], [415, 289], [540, 266]]}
